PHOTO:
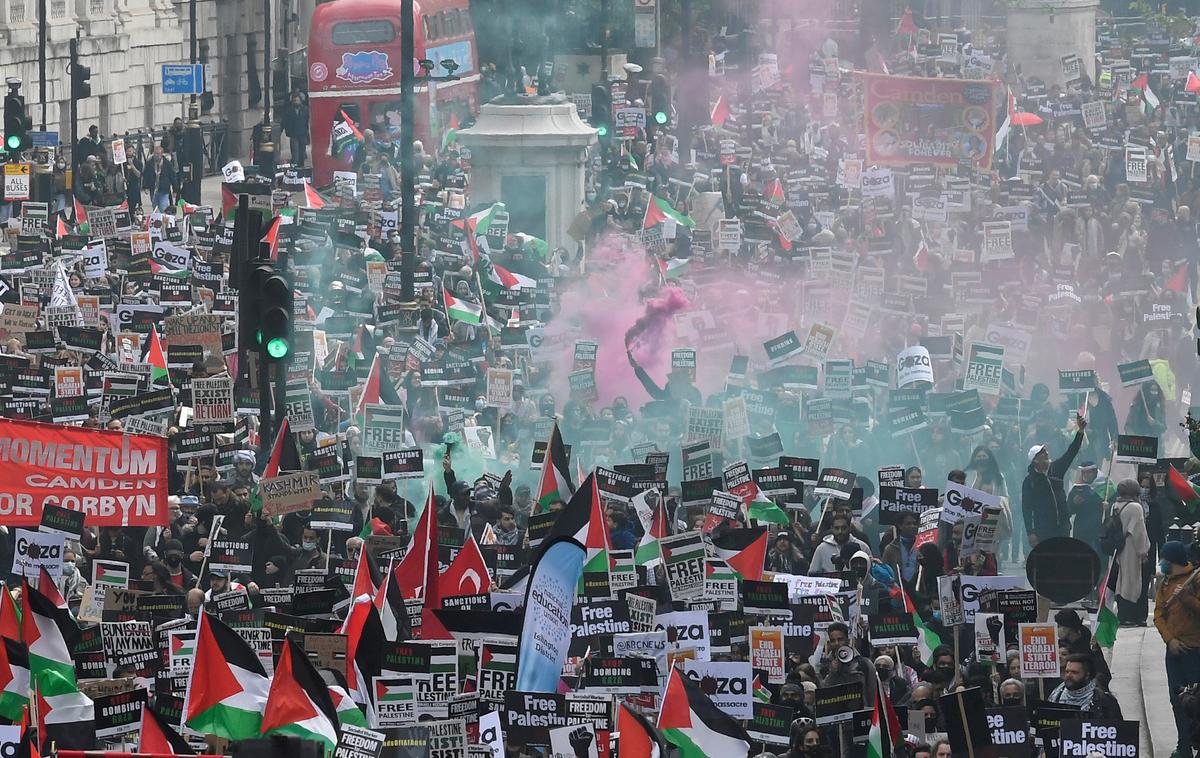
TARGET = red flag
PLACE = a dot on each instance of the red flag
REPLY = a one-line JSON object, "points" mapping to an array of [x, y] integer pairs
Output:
{"points": [[364, 583], [10, 622], [921, 258], [80, 214], [720, 112], [468, 574], [48, 588], [157, 736], [272, 238], [907, 25], [1179, 282], [284, 456], [312, 198], [411, 574]]}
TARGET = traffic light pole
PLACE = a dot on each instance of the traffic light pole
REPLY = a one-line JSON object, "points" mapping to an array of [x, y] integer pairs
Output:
{"points": [[42, 60], [266, 150], [74, 112], [408, 187]]}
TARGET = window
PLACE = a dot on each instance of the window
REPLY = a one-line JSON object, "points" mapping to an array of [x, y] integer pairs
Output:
{"points": [[435, 27], [376, 32]]}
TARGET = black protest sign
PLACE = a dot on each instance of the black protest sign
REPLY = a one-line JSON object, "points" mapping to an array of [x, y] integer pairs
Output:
{"points": [[163, 606], [1077, 381], [620, 676], [1010, 731], [1087, 736], [1018, 607], [1136, 448], [799, 633], [358, 742], [1135, 372], [771, 723], [894, 502], [1048, 719], [337, 515], [404, 464], [230, 556], [765, 598], [699, 492], [314, 603], [892, 629], [529, 716], [965, 721], [120, 713], [782, 347], [837, 703], [777, 482], [835, 483], [64, 521], [804, 470]]}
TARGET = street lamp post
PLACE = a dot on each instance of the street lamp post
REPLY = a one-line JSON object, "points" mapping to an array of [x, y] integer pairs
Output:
{"points": [[408, 167]]}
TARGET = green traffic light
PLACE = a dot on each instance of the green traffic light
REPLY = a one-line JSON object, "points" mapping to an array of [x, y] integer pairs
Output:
{"points": [[277, 347], [14, 141], [602, 130], [660, 118], [258, 337]]}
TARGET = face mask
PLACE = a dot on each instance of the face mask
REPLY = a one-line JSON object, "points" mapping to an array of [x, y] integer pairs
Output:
{"points": [[937, 616], [69, 569], [480, 405], [309, 546], [1145, 492], [173, 560], [1011, 701], [1164, 567]]}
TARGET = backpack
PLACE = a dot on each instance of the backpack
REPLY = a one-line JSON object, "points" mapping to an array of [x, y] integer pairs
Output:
{"points": [[1112, 533]]}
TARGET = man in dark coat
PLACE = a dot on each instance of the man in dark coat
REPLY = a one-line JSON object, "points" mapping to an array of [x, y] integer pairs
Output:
{"points": [[1043, 497]]}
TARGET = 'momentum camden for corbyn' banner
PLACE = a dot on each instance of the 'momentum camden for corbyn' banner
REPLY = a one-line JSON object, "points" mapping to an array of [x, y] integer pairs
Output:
{"points": [[115, 479]]}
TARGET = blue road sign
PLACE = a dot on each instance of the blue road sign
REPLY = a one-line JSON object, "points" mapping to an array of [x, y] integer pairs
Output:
{"points": [[44, 139], [182, 78]]}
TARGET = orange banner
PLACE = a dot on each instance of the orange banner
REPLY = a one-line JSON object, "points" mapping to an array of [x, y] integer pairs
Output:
{"points": [[938, 121], [115, 479]]}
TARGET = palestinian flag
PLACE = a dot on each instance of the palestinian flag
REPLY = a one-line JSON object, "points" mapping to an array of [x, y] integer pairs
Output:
{"points": [[378, 390], [648, 552], [699, 729], [391, 693], [81, 218], [673, 268], [1149, 99], [478, 223], [499, 278], [1104, 628], [50, 633], [159, 737], [773, 192], [885, 726], [393, 614], [312, 198], [227, 686], [575, 520], [534, 246], [491, 659], [556, 481], [468, 573], [638, 738], [284, 454], [364, 651], [157, 359], [48, 587], [299, 703], [745, 550], [927, 639], [762, 509], [60, 226], [347, 711], [111, 573], [762, 693], [27, 747], [659, 210], [451, 134], [1182, 488], [598, 542], [14, 679], [271, 238], [229, 203], [10, 616], [462, 310]]}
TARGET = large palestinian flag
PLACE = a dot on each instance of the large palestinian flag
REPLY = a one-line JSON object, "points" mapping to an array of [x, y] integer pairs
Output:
{"points": [[227, 685], [49, 633], [745, 550], [556, 474], [299, 703], [689, 721]]}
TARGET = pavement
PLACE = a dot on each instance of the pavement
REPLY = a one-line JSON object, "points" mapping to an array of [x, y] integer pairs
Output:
{"points": [[1140, 685]]}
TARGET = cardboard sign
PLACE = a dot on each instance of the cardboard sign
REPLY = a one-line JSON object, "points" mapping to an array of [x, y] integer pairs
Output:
{"points": [[767, 652], [35, 551], [913, 365], [288, 493], [894, 502], [1088, 736], [684, 561], [838, 703]]}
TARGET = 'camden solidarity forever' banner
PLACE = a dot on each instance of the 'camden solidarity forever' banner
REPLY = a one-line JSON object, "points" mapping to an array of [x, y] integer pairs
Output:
{"points": [[940, 121], [115, 479]]}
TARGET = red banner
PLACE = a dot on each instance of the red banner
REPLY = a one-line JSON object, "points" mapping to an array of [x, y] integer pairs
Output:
{"points": [[937, 121], [115, 479]]}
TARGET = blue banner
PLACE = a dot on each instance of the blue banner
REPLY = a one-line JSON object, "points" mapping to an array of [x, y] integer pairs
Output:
{"points": [[546, 633]]}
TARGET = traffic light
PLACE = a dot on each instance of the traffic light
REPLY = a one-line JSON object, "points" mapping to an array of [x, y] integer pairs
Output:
{"points": [[660, 100], [16, 123], [81, 75], [602, 116], [272, 294]]}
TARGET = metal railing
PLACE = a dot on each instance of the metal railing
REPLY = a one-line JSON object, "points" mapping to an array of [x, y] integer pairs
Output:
{"points": [[215, 134]]}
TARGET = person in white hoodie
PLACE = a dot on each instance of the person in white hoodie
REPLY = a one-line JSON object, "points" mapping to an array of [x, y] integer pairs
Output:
{"points": [[828, 555]]}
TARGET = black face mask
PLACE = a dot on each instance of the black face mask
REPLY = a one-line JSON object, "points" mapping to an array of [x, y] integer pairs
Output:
{"points": [[1010, 701], [174, 560]]}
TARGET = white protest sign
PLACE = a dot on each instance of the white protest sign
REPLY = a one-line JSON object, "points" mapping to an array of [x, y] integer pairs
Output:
{"points": [[38, 550], [118, 151], [1136, 167], [233, 172]]}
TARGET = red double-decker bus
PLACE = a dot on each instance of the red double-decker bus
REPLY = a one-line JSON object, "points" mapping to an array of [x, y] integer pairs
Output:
{"points": [[354, 68]]}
